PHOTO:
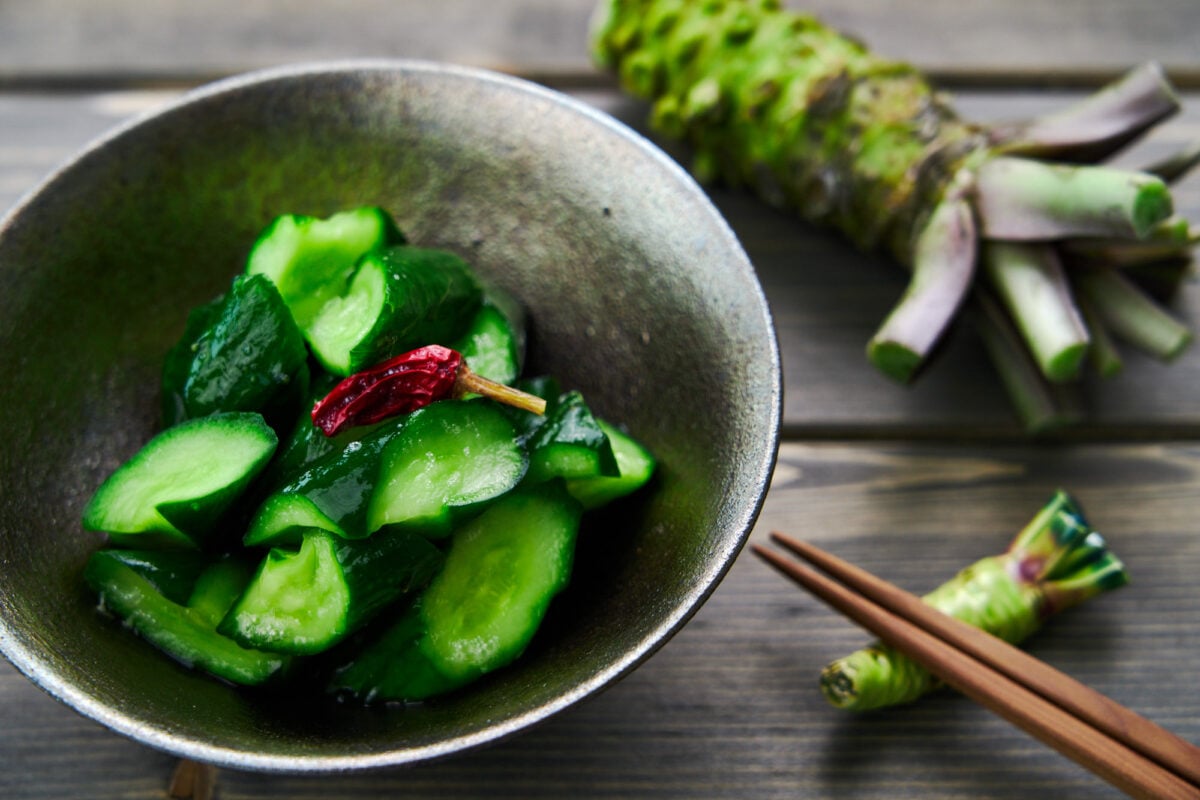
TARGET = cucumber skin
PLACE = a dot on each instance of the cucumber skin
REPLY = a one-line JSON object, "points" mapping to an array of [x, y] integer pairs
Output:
{"points": [[430, 297], [637, 466], [462, 419], [465, 593], [339, 486], [391, 666], [182, 522], [246, 354], [299, 290], [181, 633], [374, 574], [407, 660], [491, 346]]}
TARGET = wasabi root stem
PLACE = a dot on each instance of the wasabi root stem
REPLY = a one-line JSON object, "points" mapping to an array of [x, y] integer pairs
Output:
{"points": [[1176, 165], [1097, 126], [1131, 315], [943, 271], [1023, 200], [1030, 282], [1040, 406]]}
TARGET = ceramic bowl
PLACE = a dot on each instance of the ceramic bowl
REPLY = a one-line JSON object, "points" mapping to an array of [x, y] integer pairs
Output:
{"points": [[637, 293]]}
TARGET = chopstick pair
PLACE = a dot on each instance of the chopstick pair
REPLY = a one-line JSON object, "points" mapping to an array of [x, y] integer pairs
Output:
{"points": [[1125, 749]]}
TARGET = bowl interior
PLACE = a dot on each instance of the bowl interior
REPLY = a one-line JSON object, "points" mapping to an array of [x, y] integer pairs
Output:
{"points": [[636, 290]]}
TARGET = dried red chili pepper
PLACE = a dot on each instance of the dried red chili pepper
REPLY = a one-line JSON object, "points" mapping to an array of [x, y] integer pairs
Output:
{"points": [[406, 382]]}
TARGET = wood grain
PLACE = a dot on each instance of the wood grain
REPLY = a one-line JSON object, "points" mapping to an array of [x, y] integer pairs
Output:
{"points": [[982, 41]]}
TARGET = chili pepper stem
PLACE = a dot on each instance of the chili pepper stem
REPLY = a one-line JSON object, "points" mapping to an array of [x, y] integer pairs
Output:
{"points": [[469, 382]]}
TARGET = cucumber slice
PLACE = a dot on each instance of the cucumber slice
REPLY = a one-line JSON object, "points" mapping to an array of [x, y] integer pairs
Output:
{"points": [[173, 490], [501, 572], [187, 634], [392, 666], [452, 457], [311, 260], [178, 361], [492, 346], [307, 599], [172, 573], [249, 357], [333, 494], [400, 298], [636, 464], [570, 443]]}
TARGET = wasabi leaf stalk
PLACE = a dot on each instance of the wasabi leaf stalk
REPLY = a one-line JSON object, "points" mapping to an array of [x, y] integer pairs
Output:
{"points": [[815, 122]]}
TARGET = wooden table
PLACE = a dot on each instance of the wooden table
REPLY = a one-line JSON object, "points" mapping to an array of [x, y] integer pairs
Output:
{"points": [[910, 483]]}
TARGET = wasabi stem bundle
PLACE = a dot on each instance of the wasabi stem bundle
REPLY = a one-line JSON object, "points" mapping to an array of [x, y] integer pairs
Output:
{"points": [[1055, 562], [984, 221]]}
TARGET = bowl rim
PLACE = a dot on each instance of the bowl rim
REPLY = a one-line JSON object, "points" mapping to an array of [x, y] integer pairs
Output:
{"points": [[34, 667]]}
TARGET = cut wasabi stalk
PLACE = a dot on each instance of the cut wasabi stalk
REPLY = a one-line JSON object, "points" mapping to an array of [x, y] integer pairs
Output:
{"points": [[1055, 562], [1097, 126], [248, 356], [311, 260], [1022, 200], [1132, 316], [1041, 406], [1174, 166], [636, 466], [332, 494], [305, 600], [183, 630], [943, 270], [501, 572], [173, 491], [1171, 240], [1102, 352], [452, 458], [400, 298], [1029, 280]]}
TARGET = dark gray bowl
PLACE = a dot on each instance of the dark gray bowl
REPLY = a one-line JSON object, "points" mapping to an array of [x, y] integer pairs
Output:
{"points": [[638, 293]]}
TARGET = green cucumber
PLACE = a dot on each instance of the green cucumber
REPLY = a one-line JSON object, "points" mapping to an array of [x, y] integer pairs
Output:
{"points": [[184, 632], [248, 356], [173, 491], [636, 464], [452, 457], [172, 573], [307, 599], [400, 298], [311, 260], [178, 361], [569, 443], [501, 572], [493, 345], [332, 494], [391, 666], [483, 608]]}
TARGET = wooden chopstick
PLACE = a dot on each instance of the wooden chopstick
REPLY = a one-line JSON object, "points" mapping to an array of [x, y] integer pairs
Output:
{"points": [[1153, 763]]}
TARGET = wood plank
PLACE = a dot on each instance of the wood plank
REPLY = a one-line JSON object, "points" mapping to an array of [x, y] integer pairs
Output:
{"points": [[729, 708], [979, 40], [826, 298]]}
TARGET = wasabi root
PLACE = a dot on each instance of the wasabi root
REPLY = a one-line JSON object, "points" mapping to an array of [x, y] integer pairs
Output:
{"points": [[814, 122], [1055, 562]]}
